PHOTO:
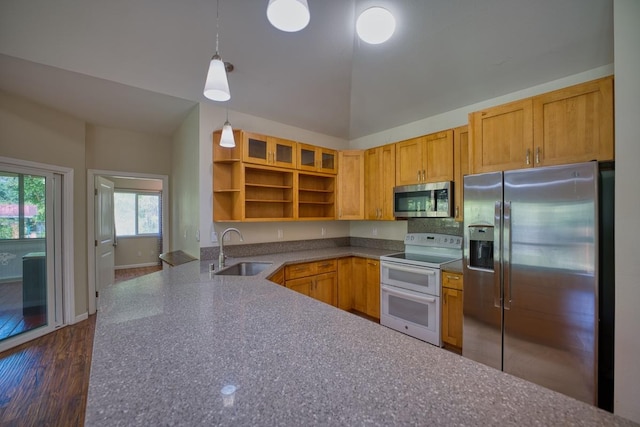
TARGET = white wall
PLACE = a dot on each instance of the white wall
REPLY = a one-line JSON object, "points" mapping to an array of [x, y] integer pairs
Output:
{"points": [[184, 185], [122, 150], [627, 107], [33, 132], [211, 118]]}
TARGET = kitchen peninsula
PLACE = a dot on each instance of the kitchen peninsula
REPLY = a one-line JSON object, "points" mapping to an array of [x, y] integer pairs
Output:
{"points": [[182, 347]]}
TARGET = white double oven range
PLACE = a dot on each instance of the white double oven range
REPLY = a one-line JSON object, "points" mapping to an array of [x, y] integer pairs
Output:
{"points": [[410, 284]]}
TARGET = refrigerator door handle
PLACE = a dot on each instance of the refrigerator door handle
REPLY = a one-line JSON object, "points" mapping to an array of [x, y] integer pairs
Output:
{"points": [[497, 295], [506, 250]]}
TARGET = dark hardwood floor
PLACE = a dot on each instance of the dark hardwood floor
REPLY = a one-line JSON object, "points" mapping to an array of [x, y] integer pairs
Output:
{"points": [[12, 320], [44, 382], [130, 273]]}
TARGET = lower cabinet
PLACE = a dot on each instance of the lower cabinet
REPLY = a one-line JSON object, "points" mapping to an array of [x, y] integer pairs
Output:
{"points": [[373, 287], [318, 280], [452, 292], [350, 283], [278, 277]]}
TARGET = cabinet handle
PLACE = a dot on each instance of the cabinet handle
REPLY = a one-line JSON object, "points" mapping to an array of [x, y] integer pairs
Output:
{"points": [[528, 156], [537, 155], [453, 277], [418, 175], [457, 211], [424, 175]]}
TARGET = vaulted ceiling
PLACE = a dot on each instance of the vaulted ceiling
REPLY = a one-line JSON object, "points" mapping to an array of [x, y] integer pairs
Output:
{"points": [[141, 64]]}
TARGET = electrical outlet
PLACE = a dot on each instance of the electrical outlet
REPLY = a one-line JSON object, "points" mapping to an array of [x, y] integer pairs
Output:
{"points": [[374, 232], [214, 237], [198, 235], [323, 231], [227, 237], [280, 233]]}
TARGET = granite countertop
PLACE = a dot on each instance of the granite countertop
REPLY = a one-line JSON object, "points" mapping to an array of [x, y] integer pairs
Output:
{"points": [[182, 347]]}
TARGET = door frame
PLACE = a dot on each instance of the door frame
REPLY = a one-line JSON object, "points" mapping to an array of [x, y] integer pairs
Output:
{"points": [[91, 217], [67, 238]]}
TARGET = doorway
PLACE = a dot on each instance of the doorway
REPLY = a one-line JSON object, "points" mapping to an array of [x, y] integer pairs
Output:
{"points": [[134, 234], [34, 280]]}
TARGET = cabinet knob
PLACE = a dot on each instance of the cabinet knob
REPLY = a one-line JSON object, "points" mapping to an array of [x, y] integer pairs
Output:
{"points": [[528, 158]]}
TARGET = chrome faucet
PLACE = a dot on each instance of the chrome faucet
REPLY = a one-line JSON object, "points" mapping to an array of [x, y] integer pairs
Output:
{"points": [[222, 256]]}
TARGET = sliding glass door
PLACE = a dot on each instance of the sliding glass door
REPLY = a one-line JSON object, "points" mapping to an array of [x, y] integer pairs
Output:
{"points": [[29, 297]]}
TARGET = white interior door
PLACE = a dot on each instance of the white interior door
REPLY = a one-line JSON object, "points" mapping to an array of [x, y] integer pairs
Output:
{"points": [[105, 233]]}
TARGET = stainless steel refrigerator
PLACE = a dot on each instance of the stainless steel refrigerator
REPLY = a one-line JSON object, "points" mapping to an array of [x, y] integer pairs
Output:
{"points": [[531, 271]]}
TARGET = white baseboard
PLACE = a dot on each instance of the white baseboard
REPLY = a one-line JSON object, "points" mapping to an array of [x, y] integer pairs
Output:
{"points": [[81, 317], [146, 264]]}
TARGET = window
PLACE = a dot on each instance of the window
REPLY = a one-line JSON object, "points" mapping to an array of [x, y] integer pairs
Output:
{"points": [[22, 206], [136, 213]]}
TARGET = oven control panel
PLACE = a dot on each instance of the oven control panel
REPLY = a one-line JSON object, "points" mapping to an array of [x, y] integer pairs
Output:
{"points": [[433, 240]]}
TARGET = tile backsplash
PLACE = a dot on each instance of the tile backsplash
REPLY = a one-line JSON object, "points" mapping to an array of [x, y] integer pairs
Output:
{"points": [[435, 225]]}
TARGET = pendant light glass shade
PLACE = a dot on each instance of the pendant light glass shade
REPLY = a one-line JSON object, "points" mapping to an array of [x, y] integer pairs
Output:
{"points": [[288, 15], [217, 86], [226, 139]]}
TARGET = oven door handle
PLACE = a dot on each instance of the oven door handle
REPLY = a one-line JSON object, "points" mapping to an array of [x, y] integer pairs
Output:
{"points": [[407, 294], [425, 271]]}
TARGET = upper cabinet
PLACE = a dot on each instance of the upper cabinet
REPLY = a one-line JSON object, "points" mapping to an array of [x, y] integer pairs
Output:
{"points": [[460, 168], [268, 150], [380, 178], [317, 159], [574, 124], [569, 125], [424, 159], [351, 187], [502, 137]]}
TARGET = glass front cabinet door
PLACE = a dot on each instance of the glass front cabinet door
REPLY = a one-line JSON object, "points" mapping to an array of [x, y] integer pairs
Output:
{"points": [[317, 159], [267, 150]]}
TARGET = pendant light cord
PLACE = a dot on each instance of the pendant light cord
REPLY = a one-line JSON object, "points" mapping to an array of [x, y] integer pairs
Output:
{"points": [[217, 32]]}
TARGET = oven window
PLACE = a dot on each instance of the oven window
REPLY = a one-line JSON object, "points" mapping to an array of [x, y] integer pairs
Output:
{"points": [[411, 311]]}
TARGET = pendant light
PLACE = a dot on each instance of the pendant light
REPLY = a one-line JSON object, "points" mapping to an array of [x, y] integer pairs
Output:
{"points": [[226, 138], [288, 15], [216, 86]]}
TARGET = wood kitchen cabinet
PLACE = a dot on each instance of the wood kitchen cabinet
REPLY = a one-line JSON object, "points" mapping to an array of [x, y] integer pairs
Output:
{"points": [[425, 159], [373, 287], [574, 124], [345, 288], [502, 137], [317, 159], [452, 292], [268, 150], [318, 280], [380, 178], [359, 283], [351, 185], [569, 125], [256, 181], [278, 277], [316, 196], [460, 168]]}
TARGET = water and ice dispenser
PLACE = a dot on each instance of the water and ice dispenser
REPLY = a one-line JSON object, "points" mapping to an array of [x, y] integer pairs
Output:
{"points": [[481, 246]]}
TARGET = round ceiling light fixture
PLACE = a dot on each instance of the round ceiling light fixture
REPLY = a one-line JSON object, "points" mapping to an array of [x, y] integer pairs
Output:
{"points": [[375, 25], [288, 15]]}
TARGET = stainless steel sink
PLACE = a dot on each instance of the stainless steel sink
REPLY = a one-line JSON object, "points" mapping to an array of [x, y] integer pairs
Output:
{"points": [[243, 269]]}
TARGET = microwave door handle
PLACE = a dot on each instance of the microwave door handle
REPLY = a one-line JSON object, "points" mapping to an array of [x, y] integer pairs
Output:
{"points": [[406, 294], [409, 269]]}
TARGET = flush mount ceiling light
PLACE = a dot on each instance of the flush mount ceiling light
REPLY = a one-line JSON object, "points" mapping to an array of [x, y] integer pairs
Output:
{"points": [[288, 15], [375, 25], [216, 87]]}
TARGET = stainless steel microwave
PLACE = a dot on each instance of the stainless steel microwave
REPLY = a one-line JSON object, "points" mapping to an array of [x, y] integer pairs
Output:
{"points": [[432, 200]]}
